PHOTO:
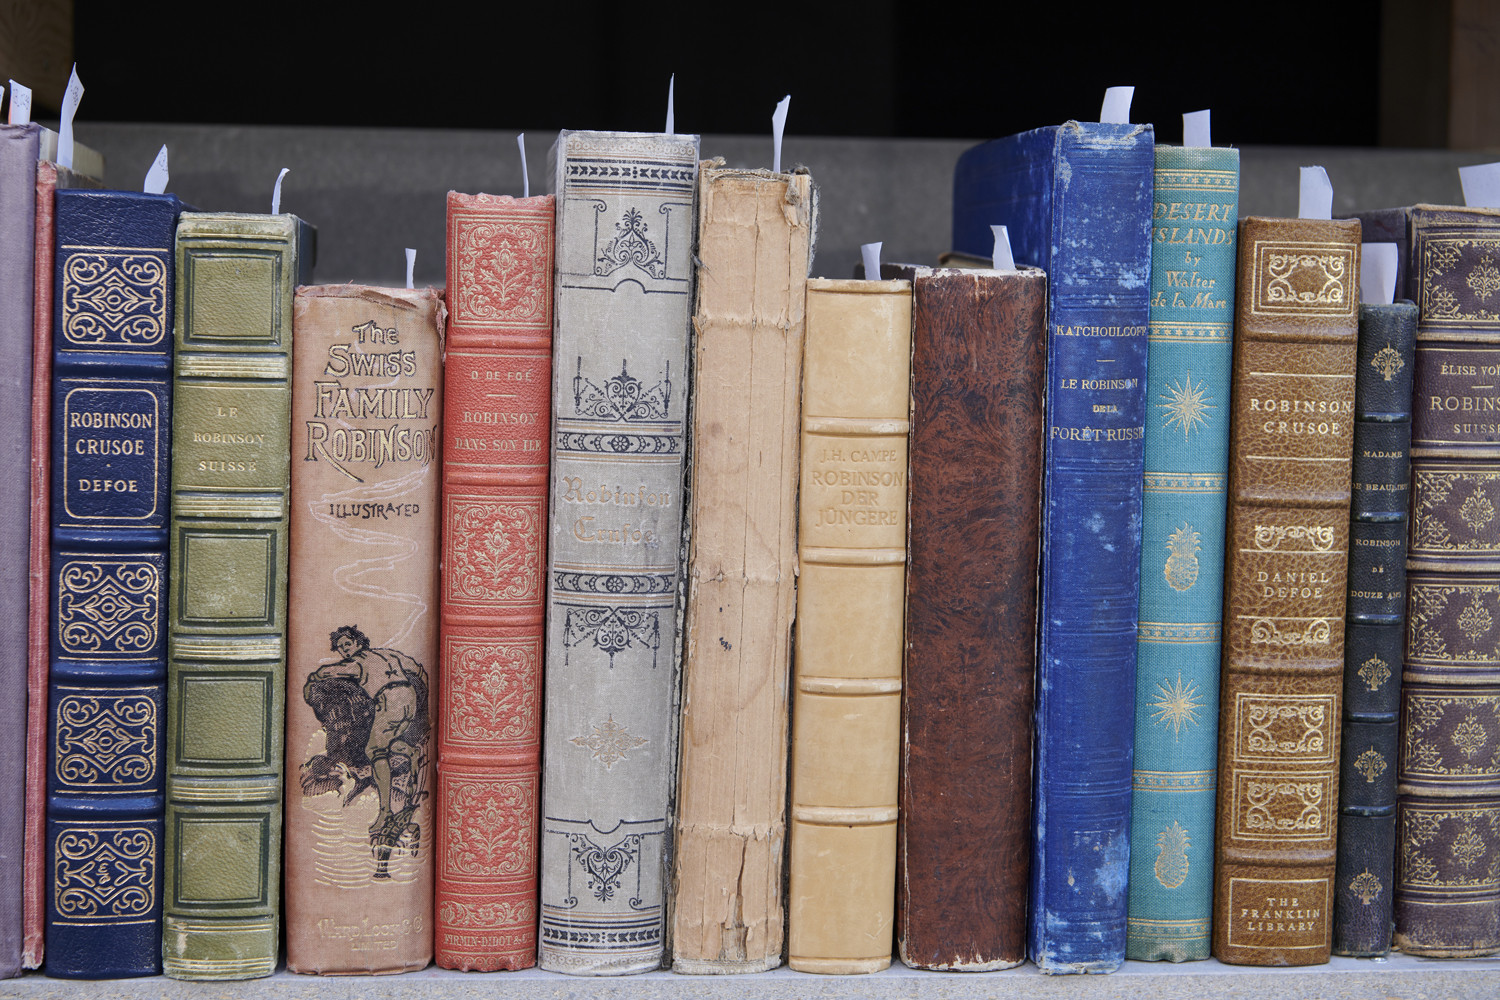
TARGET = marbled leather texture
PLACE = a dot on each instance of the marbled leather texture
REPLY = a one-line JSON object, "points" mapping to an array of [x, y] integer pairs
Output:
{"points": [[111, 413], [1077, 199], [18, 154], [963, 849], [1448, 793], [1282, 683], [497, 392], [1380, 489]]}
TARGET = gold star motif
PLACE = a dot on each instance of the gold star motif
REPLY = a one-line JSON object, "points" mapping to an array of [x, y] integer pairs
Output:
{"points": [[1176, 704], [1186, 405]]}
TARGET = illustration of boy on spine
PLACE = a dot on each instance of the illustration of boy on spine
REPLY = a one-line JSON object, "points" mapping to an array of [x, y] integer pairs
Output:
{"points": [[372, 704]]}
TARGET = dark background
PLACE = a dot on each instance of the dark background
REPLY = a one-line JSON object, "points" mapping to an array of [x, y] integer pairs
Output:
{"points": [[1304, 74]]}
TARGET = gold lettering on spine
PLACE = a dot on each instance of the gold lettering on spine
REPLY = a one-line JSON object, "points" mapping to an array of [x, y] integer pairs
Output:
{"points": [[860, 484], [330, 438]]}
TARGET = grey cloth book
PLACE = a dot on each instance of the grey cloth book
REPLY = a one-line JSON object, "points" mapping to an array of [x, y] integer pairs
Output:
{"points": [[18, 153], [624, 283]]}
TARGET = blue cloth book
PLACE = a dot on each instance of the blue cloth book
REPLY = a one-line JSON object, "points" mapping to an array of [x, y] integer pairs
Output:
{"points": [[1182, 553], [111, 409], [1077, 201]]}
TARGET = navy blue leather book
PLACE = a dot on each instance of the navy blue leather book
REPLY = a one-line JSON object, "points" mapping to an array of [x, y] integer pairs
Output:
{"points": [[1077, 201], [1375, 632], [111, 407]]}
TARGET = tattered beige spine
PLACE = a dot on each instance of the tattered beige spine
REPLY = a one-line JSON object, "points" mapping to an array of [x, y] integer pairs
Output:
{"points": [[755, 241]]}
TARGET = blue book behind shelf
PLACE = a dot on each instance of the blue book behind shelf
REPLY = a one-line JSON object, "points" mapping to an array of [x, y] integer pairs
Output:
{"points": [[1077, 200]]}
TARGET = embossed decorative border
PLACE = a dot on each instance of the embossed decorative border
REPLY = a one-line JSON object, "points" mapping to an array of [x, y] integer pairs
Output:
{"points": [[1338, 297]]}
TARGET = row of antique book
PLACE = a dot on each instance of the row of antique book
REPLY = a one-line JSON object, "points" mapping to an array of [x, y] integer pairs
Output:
{"points": [[600, 547]]}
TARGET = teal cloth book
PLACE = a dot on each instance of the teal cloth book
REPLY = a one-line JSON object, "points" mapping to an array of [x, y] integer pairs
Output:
{"points": [[1182, 552]]}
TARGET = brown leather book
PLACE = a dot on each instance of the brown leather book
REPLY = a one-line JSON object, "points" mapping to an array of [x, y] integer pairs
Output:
{"points": [[1287, 555], [851, 556], [754, 245], [978, 361], [1448, 772], [367, 386]]}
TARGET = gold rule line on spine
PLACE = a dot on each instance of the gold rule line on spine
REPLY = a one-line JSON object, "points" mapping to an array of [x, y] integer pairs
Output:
{"points": [[852, 557], [844, 815]]}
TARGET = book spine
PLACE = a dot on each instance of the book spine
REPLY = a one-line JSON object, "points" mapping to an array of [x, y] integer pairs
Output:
{"points": [[111, 414], [978, 350], [362, 641], [18, 172], [1380, 488], [1287, 566], [1098, 311], [851, 558], [226, 665], [498, 393], [1448, 773], [1182, 553], [754, 248], [624, 282], [39, 650]]}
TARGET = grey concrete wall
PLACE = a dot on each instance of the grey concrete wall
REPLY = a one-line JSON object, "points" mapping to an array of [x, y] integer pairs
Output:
{"points": [[372, 192]]}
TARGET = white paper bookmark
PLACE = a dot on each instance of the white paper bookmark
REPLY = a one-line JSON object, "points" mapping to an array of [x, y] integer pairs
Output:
{"points": [[276, 191], [156, 177], [1001, 258], [1195, 130], [778, 128], [1481, 184], [1116, 110], [870, 252], [1377, 273], [525, 180], [20, 103], [1315, 199], [71, 98], [411, 265], [671, 116]]}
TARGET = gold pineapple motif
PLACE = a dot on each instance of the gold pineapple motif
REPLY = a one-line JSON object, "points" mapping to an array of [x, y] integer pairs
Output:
{"points": [[1172, 861], [1181, 569]]}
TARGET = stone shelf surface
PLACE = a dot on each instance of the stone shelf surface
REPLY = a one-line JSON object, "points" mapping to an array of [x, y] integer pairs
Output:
{"points": [[1398, 978]]}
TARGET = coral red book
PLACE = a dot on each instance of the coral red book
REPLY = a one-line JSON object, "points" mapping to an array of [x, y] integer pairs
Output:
{"points": [[498, 386]]}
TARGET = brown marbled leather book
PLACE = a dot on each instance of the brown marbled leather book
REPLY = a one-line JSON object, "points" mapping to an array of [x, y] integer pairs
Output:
{"points": [[362, 638], [1448, 771], [963, 848], [1287, 561]]}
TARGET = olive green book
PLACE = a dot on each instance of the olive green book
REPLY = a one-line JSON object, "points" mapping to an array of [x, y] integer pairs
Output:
{"points": [[226, 656]]}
